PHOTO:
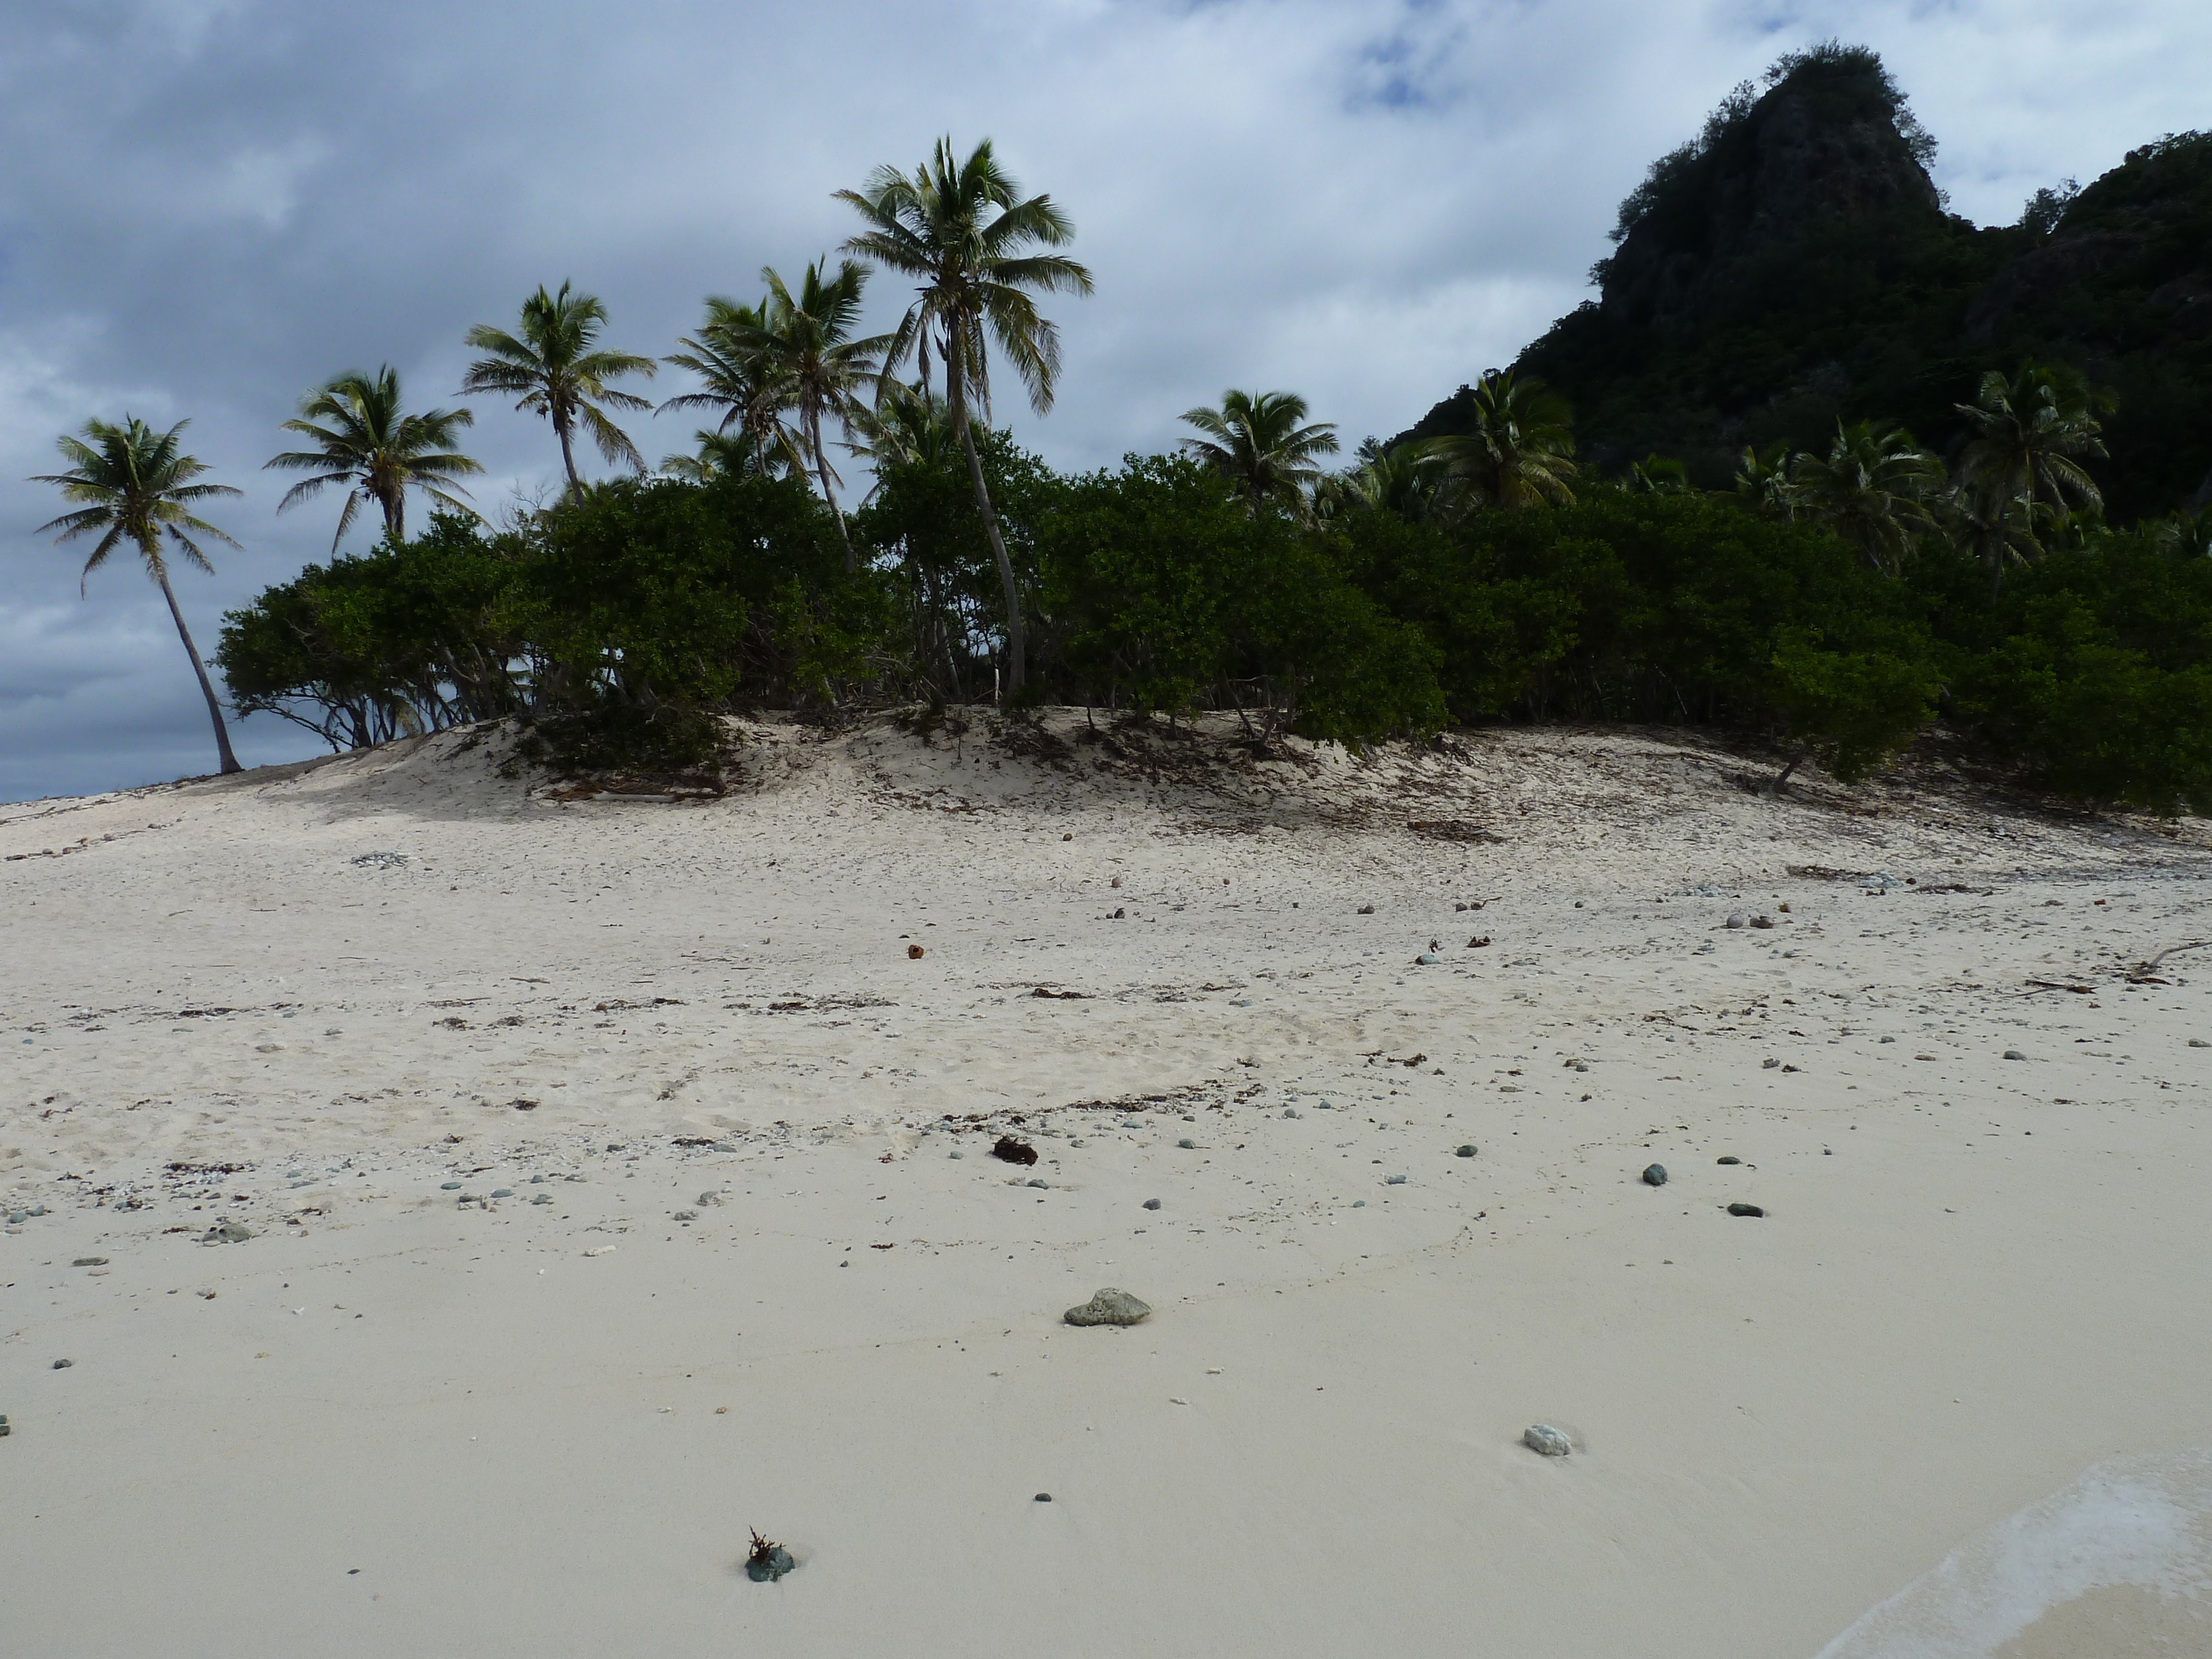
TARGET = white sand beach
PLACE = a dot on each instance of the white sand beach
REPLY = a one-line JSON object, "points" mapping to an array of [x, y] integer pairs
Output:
{"points": [[617, 1183]]}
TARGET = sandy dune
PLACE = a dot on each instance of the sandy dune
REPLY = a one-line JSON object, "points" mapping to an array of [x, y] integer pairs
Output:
{"points": [[721, 1143]]}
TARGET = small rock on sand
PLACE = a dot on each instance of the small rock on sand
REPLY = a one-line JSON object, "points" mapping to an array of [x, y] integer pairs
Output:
{"points": [[1543, 1437], [1109, 1307], [1729, 1159], [1737, 920], [1151, 1204], [1745, 1209], [2014, 1054], [1466, 1150], [1655, 1175]]}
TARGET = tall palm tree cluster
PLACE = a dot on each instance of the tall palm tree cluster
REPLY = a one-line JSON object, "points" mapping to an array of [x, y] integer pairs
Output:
{"points": [[784, 379], [2022, 485], [1518, 452]]}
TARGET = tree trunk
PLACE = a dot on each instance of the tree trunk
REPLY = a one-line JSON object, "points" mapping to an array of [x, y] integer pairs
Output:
{"points": [[822, 471], [568, 459], [957, 396], [1804, 753], [225, 761]]}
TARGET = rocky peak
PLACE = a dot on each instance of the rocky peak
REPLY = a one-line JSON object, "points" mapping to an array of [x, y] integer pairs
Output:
{"points": [[1830, 144]]}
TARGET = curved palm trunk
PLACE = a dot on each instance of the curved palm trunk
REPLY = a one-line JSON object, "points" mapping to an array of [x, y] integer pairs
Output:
{"points": [[225, 760], [955, 395], [568, 458], [821, 472]]}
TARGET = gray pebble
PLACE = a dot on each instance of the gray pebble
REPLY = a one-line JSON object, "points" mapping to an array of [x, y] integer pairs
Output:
{"points": [[543, 1198], [1543, 1437], [449, 1186], [1041, 1497], [537, 1180], [1359, 1203], [1151, 1204], [1290, 1111], [685, 1215], [64, 1364], [1466, 1150], [2199, 1043], [955, 1152], [1187, 1145], [1394, 1180], [710, 1197], [1425, 960], [1038, 1183], [2014, 1054], [1109, 1307], [1655, 1175], [89, 1261], [1729, 1159], [503, 1192], [1737, 919], [1745, 1209]]}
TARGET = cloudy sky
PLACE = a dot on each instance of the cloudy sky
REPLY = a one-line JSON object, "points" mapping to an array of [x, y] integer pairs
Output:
{"points": [[207, 206]]}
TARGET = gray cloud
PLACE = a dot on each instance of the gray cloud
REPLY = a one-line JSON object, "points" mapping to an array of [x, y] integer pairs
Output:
{"points": [[209, 205]]}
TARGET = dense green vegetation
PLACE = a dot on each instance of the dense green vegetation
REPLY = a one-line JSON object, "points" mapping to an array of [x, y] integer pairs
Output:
{"points": [[1831, 586]]}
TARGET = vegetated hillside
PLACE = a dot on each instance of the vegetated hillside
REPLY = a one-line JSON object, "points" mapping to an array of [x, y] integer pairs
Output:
{"points": [[1795, 264]]}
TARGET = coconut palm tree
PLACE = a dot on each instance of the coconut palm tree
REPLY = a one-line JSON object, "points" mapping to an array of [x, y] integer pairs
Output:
{"points": [[136, 485], [2186, 534], [1260, 442], [552, 369], [2032, 434], [368, 444], [720, 455], [1998, 530], [1872, 487], [740, 381], [963, 230], [908, 427], [1658, 475], [1762, 477], [1520, 452], [805, 346]]}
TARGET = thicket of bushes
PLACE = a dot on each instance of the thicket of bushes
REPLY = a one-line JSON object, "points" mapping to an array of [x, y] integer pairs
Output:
{"points": [[617, 622]]}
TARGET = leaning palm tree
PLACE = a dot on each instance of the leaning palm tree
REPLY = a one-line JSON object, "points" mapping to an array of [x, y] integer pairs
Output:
{"points": [[805, 345], [2032, 434], [365, 443], [1260, 443], [1519, 451], [965, 233], [740, 381], [1872, 487], [552, 370], [136, 485]]}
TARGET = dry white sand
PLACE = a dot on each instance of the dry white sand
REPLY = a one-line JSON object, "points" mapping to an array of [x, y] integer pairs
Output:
{"points": [[413, 1417]]}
